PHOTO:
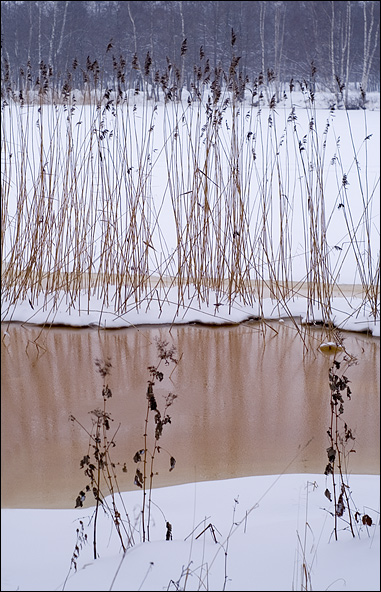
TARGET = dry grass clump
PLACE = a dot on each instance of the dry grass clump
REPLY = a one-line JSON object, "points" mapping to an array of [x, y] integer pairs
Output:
{"points": [[101, 470]]}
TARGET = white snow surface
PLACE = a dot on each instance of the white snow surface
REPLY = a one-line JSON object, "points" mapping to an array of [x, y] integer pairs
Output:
{"points": [[349, 313], [266, 527]]}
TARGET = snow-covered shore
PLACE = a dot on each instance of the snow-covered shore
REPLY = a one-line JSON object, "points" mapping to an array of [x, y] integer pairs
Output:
{"points": [[348, 312], [266, 529]]}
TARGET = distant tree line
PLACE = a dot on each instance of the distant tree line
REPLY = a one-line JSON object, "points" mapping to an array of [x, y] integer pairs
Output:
{"points": [[129, 44]]}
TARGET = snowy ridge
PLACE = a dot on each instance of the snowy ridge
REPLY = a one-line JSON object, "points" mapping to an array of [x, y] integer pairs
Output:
{"points": [[348, 313]]}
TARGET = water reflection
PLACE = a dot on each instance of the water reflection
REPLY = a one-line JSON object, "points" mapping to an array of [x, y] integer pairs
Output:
{"points": [[248, 402]]}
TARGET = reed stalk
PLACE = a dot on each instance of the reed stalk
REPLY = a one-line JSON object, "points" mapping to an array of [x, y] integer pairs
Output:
{"points": [[125, 194]]}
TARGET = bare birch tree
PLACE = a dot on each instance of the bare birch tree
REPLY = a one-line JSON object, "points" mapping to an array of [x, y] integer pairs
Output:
{"points": [[348, 43], [136, 63], [53, 33], [60, 43], [370, 42], [279, 21], [30, 7], [332, 48], [262, 13], [39, 31], [345, 45], [183, 49]]}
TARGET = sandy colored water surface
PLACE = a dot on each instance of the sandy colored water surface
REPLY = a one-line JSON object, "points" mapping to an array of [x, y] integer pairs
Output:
{"points": [[250, 398]]}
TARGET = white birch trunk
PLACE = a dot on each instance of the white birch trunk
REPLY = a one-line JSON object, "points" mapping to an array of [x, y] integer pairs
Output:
{"points": [[368, 50], [53, 33], [59, 48], [135, 38], [182, 57], [262, 33], [332, 48], [278, 45], [348, 35]]}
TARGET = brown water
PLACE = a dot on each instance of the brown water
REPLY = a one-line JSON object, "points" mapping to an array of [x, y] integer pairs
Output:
{"points": [[248, 403]]}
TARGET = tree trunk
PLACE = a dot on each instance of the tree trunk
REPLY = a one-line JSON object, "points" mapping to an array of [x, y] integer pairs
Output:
{"points": [[39, 33], [368, 51], [278, 44], [59, 48], [262, 34], [135, 39], [52, 35], [182, 53], [332, 50], [348, 37]]}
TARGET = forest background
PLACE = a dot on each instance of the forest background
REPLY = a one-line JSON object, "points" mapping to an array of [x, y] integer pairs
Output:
{"points": [[58, 43]]}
